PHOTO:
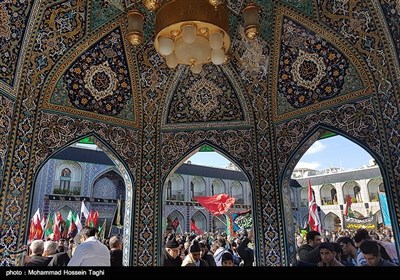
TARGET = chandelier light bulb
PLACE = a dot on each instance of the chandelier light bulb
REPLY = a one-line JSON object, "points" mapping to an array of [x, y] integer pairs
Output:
{"points": [[166, 46], [216, 38], [189, 32], [199, 50], [192, 32], [218, 56], [171, 60], [196, 69]]}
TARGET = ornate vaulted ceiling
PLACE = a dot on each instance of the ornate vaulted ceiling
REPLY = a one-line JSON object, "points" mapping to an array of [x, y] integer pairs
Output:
{"points": [[309, 55]]}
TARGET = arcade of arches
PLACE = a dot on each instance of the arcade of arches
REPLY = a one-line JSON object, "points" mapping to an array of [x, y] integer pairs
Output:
{"points": [[67, 71]]}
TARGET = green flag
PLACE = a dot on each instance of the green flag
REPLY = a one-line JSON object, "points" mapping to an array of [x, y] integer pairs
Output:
{"points": [[102, 230], [70, 218], [49, 225]]}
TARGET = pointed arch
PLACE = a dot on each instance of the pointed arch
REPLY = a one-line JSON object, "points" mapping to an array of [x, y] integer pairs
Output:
{"points": [[109, 185], [331, 222], [174, 188], [123, 170], [217, 187], [237, 191], [319, 131], [131, 97], [195, 149], [328, 194], [200, 220], [353, 189], [171, 218], [197, 187], [192, 181], [374, 186], [67, 178]]}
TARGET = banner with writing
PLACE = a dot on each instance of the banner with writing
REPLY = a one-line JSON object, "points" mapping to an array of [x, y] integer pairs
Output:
{"points": [[368, 223]]}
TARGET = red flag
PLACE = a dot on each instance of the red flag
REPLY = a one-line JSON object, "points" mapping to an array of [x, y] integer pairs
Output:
{"points": [[194, 228], [348, 204], [56, 232], [32, 231], [217, 204], [59, 217], [95, 218], [72, 230], [92, 218], [175, 224], [89, 219], [313, 217], [38, 230]]}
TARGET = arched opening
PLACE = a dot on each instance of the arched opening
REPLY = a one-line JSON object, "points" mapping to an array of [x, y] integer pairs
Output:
{"points": [[328, 194], [237, 192], [175, 188], [374, 187], [206, 172], [109, 185], [217, 187], [198, 223], [65, 180], [303, 197], [353, 189], [175, 222], [324, 160], [332, 222], [84, 174], [197, 187]]}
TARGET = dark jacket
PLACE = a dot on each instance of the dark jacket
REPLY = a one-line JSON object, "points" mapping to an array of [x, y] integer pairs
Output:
{"points": [[116, 257], [383, 262], [309, 254], [246, 253], [38, 261], [209, 259], [167, 260], [60, 259]]}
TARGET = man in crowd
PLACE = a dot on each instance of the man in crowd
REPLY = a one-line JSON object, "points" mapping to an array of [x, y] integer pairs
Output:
{"points": [[171, 255], [371, 251], [115, 245], [91, 252], [308, 254], [328, 255]]}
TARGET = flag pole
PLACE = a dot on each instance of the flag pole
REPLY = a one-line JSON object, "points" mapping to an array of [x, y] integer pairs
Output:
{"points": [[220, 220]]}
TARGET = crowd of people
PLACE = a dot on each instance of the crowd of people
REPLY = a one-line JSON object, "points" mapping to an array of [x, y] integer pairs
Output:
{"points": [[347, 248], [84, 250], [208, 250]]}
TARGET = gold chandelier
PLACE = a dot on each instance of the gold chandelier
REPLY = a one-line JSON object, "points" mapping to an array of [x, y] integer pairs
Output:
{"points": [[191, 32]]}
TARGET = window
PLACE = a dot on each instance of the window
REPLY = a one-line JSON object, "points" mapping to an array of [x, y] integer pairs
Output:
{"points": [[65, 179], [357, 194], [169, 190]]}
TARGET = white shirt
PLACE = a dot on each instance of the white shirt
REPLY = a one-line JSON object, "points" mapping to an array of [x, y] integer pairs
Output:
{"points": [[91, 252]]}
